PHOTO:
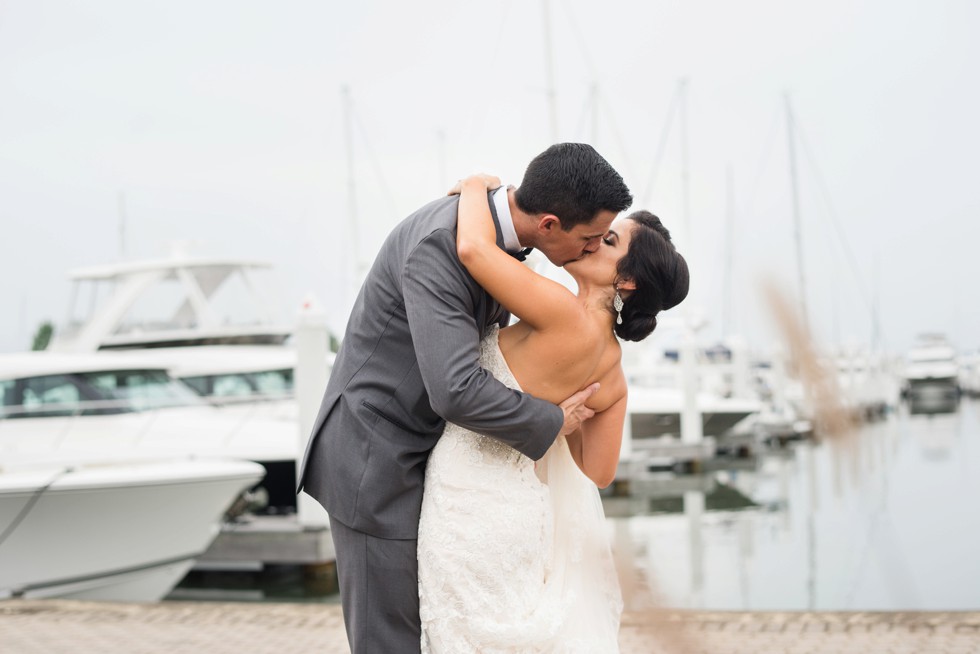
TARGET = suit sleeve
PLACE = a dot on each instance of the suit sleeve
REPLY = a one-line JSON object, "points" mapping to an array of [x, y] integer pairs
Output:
{"points": [[440, 306]]}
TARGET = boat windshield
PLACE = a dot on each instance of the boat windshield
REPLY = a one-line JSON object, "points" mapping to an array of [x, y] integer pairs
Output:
{"points": [[92, 393], [141, 389], [244, 386]]}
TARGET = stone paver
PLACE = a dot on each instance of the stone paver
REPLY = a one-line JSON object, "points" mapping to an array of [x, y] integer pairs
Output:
{"points": [[56, 626]]}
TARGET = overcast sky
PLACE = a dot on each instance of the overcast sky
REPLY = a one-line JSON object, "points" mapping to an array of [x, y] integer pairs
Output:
{"points": [[222, 123]]}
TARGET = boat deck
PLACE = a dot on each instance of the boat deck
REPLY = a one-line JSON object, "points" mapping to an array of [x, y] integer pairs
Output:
{"points": [[46, 626]]}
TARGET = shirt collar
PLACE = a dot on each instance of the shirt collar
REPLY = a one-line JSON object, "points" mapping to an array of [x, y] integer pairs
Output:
{"points": [[502, 202]]}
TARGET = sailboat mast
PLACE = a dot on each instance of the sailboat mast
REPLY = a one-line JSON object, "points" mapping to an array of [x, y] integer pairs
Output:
{"points": [[594, 100], [797, 223], [726, 323], [692, 427], [351, 189], [550, 72], [875, 313], [122, 225], [685, 164], [443, 169]]}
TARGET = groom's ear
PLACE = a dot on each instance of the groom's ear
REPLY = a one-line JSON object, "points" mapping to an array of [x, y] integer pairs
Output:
{"points": [[548, 223]]}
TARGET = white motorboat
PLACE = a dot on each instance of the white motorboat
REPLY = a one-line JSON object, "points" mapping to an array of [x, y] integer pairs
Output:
{"points": [[867, 389], [100, 404], [656, 396], [655, 412], [110, 529], [931, 371], [213, 329], [654, 436]]}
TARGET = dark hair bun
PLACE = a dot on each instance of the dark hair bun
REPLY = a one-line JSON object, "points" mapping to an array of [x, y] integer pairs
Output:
{"points": [[636, 328], [659, 272]]}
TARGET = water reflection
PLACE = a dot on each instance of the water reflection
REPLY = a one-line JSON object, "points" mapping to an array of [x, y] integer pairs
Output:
{"points": [[881, 521], [875, 522]]}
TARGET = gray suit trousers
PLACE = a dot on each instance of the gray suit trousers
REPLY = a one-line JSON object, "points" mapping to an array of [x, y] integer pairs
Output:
{"points": [[379, 591]]}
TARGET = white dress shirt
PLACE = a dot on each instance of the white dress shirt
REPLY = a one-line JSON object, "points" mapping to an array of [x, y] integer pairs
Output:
{"points": [[502, 202]]}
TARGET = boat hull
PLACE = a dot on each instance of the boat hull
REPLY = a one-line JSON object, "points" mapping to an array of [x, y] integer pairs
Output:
{"points": [[122, 532]]}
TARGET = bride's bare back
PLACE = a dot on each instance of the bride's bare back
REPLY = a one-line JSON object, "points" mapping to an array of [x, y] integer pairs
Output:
{"points": [[554, 363]]}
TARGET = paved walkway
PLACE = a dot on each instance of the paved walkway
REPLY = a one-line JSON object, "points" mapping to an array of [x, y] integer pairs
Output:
{"points": [[55, 626]]}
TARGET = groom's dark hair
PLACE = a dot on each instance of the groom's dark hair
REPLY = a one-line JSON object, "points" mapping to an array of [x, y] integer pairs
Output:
{"points": [[572, 181]]}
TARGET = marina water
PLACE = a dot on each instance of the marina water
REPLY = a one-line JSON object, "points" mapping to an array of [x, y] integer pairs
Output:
{"points": [[885, 519]]}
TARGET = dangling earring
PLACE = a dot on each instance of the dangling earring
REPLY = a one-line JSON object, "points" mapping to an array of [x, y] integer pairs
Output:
{"points": [[618, 306]]}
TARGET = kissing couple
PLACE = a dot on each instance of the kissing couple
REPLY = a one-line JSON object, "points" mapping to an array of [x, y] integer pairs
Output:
{"points": [[458, 454]]}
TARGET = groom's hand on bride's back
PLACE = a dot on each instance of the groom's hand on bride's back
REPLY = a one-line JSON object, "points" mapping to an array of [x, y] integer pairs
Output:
{"points": [[575, 410]]}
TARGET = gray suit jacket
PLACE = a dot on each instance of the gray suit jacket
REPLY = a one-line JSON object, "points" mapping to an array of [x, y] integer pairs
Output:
{"points": [[408, 363]]}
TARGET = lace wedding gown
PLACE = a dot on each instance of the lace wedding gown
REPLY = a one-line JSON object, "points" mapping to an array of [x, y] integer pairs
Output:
{"points": [[513, 557]]}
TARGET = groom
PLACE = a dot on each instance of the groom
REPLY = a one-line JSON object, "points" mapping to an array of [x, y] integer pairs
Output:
{"points": [[410, 362]]}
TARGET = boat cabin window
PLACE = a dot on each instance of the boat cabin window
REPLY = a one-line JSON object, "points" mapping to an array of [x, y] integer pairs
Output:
{"points": [[201, 385], [45, 396], [231, 386], [141, 389], [7, 396], [56, 389], [274, 382], [92, 393], [264, 383]]}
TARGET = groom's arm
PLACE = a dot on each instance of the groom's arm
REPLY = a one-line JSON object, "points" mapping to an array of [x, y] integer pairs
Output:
{"points": [[440, 306]]}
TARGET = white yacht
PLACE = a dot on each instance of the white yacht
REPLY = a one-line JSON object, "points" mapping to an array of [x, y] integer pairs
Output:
{"points": [[652, 436], [867, 389], [655, 412], [66, 405], [931, 370], [97, 527], [656, 397], [210, 323]]}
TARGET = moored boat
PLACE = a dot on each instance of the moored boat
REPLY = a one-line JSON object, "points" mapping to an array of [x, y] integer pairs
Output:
{"points": [[118, 529], [98, 405]]}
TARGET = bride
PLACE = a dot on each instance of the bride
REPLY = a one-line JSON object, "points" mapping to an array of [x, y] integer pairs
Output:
{"points": [[513, 556]]}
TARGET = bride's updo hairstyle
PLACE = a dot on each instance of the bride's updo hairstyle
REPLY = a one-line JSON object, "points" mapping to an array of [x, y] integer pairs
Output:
{"points": [[659, 272]]}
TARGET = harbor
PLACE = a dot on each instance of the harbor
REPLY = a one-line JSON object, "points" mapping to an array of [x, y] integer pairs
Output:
{"points": [[732, 472], [719, 434], [198, 198]]}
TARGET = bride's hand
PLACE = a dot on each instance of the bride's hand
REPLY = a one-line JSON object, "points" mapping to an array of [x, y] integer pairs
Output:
{"points": [[489, 182]]}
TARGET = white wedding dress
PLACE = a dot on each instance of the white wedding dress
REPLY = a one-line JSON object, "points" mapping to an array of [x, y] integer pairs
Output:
{"points": [[513, 557]]}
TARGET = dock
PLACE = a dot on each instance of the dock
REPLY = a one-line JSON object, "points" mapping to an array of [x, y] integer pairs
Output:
{"points": [[664, 453], [256, 540], [54, 626]]}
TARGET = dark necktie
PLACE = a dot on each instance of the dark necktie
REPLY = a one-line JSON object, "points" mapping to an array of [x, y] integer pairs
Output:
{"points": [[522, 255]]}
